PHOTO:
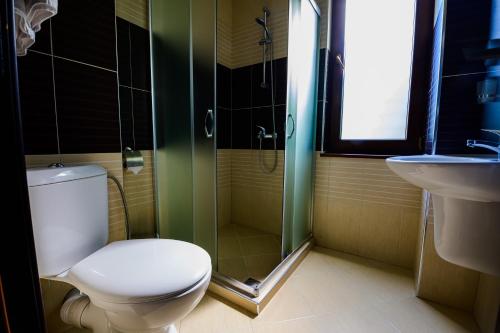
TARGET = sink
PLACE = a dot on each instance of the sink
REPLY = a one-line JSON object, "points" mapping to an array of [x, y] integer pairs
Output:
{"points": [[466, 199]]}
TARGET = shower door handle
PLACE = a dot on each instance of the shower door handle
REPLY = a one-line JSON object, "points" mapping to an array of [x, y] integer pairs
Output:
{"points": [[209, 129], [290, 122]]}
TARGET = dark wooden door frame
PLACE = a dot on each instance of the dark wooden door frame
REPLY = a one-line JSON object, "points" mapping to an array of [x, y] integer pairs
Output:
{"points": [[21, 301]]}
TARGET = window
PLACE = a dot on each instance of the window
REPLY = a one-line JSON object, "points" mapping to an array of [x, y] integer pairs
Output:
{"points": [[379, 63]]}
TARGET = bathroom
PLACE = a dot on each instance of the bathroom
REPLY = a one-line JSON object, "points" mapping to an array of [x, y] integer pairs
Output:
{"points": [[301, 165]]}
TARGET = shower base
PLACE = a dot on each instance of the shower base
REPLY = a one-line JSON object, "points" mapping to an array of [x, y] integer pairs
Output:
{"points": [[247, 254], [254, 297]]}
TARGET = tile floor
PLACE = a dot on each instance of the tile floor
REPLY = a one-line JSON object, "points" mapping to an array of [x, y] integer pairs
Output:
{"points": [[246, 252], [335, 292]]}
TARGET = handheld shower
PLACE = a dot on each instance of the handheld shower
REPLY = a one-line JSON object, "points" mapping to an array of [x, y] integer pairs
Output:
{"points": [[263, 22], [267, 51]]}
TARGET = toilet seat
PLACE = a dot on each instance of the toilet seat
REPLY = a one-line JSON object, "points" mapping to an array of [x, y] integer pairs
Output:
{"points": [[140, 271]]}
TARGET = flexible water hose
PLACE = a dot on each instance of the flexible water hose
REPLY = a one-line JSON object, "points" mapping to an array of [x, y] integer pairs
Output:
{"points": [[124, 201], [261, 152]]}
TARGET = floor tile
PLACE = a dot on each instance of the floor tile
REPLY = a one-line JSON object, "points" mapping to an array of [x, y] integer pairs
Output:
{"points": [[265, 244], [334, 292]]}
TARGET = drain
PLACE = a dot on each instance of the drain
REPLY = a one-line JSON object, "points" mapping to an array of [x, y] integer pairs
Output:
{"points": [[252, 283]]}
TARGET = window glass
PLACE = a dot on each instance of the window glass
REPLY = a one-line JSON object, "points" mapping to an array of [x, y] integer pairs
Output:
{"points": [[378, 54]]}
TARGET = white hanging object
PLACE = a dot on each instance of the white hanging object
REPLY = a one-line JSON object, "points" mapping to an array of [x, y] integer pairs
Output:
{"points": [[29, 16]]}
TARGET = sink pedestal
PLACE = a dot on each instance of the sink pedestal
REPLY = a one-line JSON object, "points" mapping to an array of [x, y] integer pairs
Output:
{"points": [[466, 232], [466, 196]]}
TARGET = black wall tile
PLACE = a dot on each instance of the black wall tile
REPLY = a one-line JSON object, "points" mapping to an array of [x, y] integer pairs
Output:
{"points": [[123, 45], [87, 108], [242, 129], [140, 61], [42, 39], [241, 87], [261, 96], [321, 74], [280, 125], [126, 117], [319, 124], [143, 121], [467, 32], [223, 128], [223, 86], [37, 104], [460, 115], [281, 70], [85, 31], [263, 116]]}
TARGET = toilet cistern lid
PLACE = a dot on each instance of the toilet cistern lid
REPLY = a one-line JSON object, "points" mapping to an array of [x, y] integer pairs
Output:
{"points": [[141, 270]]}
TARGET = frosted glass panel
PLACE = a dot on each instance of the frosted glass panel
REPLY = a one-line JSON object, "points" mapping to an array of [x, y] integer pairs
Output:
{"points": [[303, 45], [172, 118], [378, 54], [183, 43]]}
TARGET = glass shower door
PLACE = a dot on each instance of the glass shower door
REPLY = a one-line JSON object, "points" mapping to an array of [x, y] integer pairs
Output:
{"points": [[183, 63], [303, 50], [204, 148]]}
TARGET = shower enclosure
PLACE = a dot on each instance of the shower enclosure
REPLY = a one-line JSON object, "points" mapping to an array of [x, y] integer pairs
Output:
{"points": [[234, 105]]}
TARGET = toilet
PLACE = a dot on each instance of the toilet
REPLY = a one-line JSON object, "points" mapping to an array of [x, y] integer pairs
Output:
{"points": [[142, 285]]}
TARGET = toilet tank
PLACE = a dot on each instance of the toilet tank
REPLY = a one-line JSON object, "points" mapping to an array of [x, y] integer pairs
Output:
{"points": [[69, 211]]}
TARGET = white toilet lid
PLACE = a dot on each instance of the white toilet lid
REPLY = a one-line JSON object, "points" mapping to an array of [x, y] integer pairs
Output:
{"points": [[141, 270]]}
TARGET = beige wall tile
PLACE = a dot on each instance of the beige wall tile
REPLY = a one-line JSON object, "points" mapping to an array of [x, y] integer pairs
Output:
{"points": [[224, 32], [238, 35], [487, 303], [320, 217], [135, 11], [139, 191], [344, 218], [223, 186], [246, 33], [408, 237], [256, 195], [40, 161], [369, 211], [379, 231]]}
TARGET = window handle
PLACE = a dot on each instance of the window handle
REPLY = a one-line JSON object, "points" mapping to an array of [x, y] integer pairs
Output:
{"points": [[338, 58]]}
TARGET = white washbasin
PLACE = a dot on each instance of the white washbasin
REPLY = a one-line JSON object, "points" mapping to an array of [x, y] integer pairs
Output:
{"points": [[449, 176], [466, 200]]}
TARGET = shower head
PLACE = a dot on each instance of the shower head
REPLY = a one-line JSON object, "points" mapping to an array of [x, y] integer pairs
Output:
{"points": [[260, 21]]}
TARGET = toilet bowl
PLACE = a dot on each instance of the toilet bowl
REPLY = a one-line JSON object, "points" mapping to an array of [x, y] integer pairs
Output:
{"points": [[142, 285]]}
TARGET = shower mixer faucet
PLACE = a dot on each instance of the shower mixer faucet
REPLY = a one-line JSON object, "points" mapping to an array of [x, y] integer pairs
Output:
{"points": [[262, 134]]}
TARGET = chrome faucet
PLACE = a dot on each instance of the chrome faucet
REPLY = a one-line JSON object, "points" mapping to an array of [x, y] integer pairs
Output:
{"points": [[493, 146], [262, 134]]}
